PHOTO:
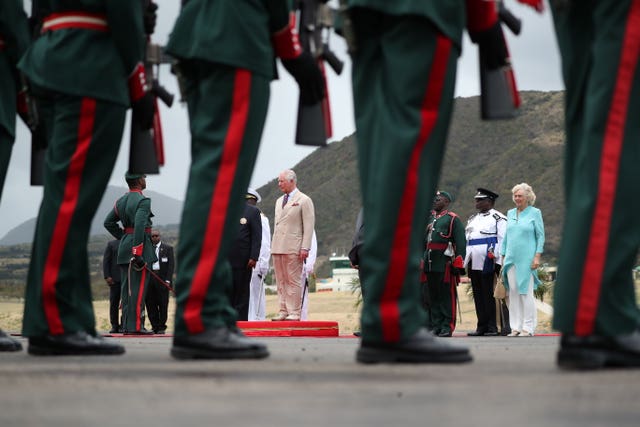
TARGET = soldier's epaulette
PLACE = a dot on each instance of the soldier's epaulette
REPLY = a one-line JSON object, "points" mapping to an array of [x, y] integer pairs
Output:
{"points": [[498, 217], [472, 216], [452, 214]]}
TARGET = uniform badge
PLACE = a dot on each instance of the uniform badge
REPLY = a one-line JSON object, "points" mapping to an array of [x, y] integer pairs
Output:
{"points": [[243, 221]]}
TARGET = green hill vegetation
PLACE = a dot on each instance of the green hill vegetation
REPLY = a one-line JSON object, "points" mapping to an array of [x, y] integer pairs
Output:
{"points": [[496, 155]]}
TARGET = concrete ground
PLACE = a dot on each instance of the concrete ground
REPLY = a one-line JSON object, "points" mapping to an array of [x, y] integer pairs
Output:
{"points": [[314, 382]]}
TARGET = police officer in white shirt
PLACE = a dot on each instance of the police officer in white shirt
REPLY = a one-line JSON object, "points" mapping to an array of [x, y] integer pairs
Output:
{"points": [[485, 231]]}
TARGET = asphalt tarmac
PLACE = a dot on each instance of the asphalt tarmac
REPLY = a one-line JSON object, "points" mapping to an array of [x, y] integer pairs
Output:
{"points": [[314, 382]]}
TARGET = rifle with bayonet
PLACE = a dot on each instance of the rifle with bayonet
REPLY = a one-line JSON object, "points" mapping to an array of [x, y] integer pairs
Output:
{"points": [[146, 152], [315, 23], [499, 97], [36, 123]]}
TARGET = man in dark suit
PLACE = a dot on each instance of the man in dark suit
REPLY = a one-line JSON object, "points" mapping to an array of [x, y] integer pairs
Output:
{"points": [[157, 299], [243, 257], [111, 271]]}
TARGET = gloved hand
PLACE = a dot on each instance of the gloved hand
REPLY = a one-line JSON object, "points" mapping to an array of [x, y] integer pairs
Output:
{"points": [[458, 262], [138, 261], [142, 101], [492, 46], [538, 5], [23, 104], [150, 16], [305, 70]]}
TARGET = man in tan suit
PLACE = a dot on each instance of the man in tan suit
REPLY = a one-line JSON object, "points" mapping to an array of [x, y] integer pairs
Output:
{"points": [[293, 229]]}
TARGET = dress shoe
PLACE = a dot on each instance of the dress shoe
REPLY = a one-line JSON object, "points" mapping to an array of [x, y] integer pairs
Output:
{"points": [[596, 351], [357, 333], [280, 316], [9, 344], [445, 334], [159, 331], [514, 334], [79, 343], [218, 343], [490, 334], [292, 318], [422, 347], [115, 330], [476, 333]]}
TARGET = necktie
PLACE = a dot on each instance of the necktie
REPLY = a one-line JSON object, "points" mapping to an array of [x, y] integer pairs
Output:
{"points": [[285, 199]]}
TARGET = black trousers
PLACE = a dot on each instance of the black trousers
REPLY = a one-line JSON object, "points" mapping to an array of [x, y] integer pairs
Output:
{"points": [[114, 304], [157, 303], [482, 285], [240, 292]]}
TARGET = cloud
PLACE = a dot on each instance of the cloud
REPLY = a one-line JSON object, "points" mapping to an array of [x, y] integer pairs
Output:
{"points": [[534, 55]]}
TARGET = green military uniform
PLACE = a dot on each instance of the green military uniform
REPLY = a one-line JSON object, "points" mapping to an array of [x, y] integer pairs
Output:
{"points": [[133, 210], [442, 280], [14, 40], [227, 62], [594, 293], [83, 67], [402, 125]]}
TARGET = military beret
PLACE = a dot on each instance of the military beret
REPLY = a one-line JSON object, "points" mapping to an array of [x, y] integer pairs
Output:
{"points": [[445, 194], [483, 193], [130, 175]]}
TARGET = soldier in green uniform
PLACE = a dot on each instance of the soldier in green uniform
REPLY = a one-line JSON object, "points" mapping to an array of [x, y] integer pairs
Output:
{"points": [[14, 40], [226, 52], [594, 300], [405, 55], [445, 250], [133, 211], [87, 61]]}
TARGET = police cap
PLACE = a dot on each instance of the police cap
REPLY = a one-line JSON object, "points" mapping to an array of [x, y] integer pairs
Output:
{"points": [[483, 193]]}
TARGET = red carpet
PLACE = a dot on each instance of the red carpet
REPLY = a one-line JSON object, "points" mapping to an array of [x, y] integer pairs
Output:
{"points": [[271, 329], [290, 329]]}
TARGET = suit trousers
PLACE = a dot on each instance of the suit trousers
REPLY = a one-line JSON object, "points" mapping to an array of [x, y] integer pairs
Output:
{"points": [[84, 143], [240, 291], [115, 291], [599, 44], [482, 285], [227, 109], [157, 303], [288, 272], [403, 82]]}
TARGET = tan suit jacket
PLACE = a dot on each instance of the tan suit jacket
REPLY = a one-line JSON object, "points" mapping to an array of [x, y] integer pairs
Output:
{"points": [[294, 224]]}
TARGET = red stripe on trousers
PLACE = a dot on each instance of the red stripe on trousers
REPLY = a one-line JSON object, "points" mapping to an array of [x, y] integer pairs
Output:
{"points": [[591, 284], [219, 202], [389, 308], [453, 284], [64, 216], [143, 277]]}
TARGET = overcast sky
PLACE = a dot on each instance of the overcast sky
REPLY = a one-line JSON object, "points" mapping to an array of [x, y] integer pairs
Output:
{"points": [[534, 55]]}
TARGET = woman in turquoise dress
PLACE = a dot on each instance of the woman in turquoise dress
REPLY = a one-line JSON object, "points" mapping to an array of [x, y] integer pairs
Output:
{"points": [[521, 248]]}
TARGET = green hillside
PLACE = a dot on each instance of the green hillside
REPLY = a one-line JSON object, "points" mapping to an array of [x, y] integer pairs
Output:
{"points": [[495, 155]]}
